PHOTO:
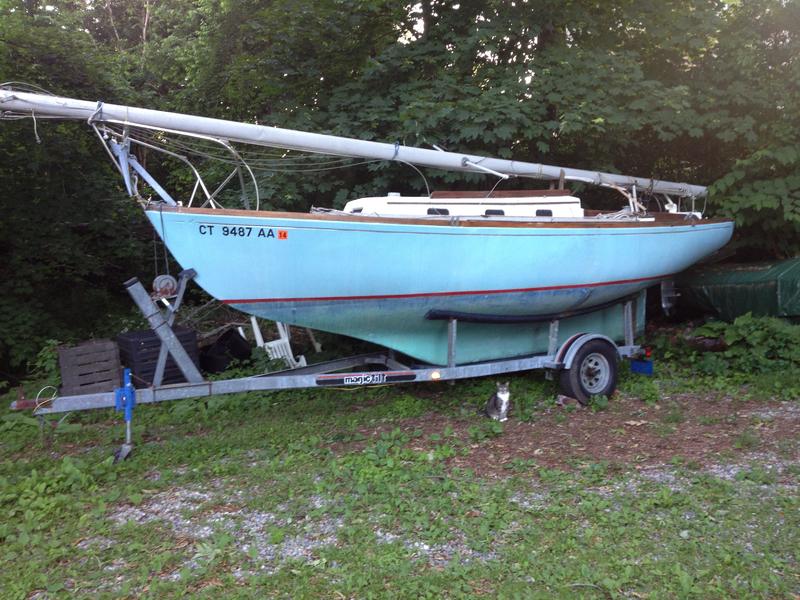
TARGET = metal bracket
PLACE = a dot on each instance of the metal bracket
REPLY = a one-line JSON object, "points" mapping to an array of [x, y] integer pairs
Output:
{"points": [[162, 326], [552, 342], [629, 318], [183, 278], [452, 335], [669, 296]]}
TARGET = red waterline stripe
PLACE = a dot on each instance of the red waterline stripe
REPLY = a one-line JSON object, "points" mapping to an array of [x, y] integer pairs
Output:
{"points": [[440, 294]]}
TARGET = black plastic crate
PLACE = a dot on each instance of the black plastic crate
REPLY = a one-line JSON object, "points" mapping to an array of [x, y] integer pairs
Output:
{"points": [[138, 351]]}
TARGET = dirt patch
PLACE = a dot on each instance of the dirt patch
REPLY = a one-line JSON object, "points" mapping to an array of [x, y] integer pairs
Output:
{"points": [[685, 428]]}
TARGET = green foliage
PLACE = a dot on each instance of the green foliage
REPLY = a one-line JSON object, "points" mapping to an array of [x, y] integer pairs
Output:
{"points": [[702, 92], [488, 429], [761, 190], [673, 415], [762, 194], [256, 502], [643, 387], [45, 365], [408, 405], [68, 240], [599, 403], [747, 440], [754, 345], [35, 500], [758, 475]]}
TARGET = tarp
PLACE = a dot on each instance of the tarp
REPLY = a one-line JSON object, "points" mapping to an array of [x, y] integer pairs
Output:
{"points": [[731, 290]]}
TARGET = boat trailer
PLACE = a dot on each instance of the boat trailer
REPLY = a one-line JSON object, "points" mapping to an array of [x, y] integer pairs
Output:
{"points": [[587, 363]]}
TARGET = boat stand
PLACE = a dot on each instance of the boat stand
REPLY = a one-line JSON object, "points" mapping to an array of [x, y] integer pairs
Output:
{"points": [[379, 368]]}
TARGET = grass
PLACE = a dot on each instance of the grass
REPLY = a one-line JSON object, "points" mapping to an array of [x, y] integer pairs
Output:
{"points": [[325, 493]]}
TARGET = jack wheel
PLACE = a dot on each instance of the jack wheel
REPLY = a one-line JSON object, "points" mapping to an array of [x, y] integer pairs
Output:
{"points": [[593, 372]]}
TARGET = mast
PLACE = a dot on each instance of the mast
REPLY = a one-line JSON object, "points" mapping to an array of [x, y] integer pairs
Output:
{"points": [[13, 103]]}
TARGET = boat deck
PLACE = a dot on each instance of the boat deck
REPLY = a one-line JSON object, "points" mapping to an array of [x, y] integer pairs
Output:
{"points": [[592, 218]]}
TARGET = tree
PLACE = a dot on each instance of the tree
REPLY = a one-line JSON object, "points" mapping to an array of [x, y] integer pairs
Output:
{"points": [[757, 113], [675, 89], [67, 237]]}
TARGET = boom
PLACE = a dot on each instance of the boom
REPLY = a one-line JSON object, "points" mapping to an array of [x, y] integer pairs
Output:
{"points": [[14, 103]]}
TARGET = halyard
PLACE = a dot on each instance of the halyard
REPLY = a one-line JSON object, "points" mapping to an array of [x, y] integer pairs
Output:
{"points": [[678, 486]]}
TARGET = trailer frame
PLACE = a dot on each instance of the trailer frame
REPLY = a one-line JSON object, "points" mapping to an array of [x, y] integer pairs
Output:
{"points": [[378, 368]]}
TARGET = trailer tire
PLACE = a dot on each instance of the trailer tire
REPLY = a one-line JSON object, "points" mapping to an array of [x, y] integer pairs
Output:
{"points": [[593, 372]]}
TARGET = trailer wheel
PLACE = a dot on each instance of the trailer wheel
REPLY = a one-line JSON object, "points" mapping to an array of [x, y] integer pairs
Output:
{"points": [[593, 372]]}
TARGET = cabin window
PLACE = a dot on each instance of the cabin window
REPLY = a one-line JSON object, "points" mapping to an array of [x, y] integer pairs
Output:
{"points": [[355, 211], [438, 211], [544, 212], [494, 212]]}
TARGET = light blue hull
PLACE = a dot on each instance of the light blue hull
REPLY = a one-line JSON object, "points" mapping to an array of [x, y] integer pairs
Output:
{"points": [[377, 280]]}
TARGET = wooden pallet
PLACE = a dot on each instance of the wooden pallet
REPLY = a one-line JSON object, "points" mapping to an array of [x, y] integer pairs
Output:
{"points": [[89, 368]]}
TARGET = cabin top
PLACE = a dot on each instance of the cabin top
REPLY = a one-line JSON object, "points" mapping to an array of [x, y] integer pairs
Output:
{"points": [[513, 203]]}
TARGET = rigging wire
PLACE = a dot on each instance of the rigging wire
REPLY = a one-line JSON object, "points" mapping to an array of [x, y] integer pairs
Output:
{"points": [[180, 146], [21, 86], [259, 163], [282, 165], [35, 130], [424, 179], [494, 187]]}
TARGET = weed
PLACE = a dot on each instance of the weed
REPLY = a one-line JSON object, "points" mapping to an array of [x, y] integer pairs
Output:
{"points": [[594, 473], [787, 448], [674, 415], [443, 452], [486, 430], [711, 364], [747, 440], [599, 403], [211, 550], [408, 405], [663, 429], [644, 388], [276, 535], [521, 465], [528, 403], [758, 475]]}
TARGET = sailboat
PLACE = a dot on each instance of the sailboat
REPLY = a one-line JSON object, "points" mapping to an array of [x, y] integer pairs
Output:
{"points": [[395, 269]]}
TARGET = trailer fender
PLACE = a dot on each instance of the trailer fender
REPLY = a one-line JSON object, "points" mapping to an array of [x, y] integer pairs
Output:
{"points": [[566, 354]]}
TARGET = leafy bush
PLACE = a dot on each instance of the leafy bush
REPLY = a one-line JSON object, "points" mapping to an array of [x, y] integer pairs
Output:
{"points": [[753, 345], [45, 365]]}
